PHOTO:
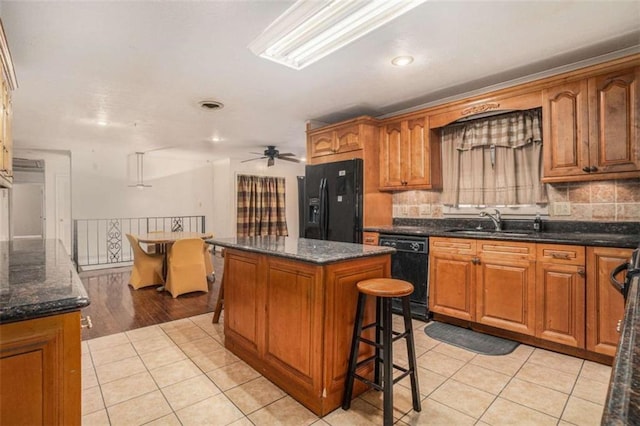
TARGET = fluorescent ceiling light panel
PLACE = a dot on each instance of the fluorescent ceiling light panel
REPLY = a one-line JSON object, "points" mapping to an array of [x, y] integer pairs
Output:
{"points": [[311, 29]]}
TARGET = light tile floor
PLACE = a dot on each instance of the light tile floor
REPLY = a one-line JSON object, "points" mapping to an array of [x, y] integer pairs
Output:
{"points": [[179, 373]]}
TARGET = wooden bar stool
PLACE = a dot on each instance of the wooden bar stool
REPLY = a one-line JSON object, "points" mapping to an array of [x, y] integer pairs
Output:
{"points": [[384, 289]]}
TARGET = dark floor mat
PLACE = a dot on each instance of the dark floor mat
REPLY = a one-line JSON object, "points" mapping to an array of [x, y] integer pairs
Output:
{"points": [[469, 339]]}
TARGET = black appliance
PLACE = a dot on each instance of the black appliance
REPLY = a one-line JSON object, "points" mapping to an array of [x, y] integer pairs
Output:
{"points": [[633, 269], [331, 204], [410, 263]]}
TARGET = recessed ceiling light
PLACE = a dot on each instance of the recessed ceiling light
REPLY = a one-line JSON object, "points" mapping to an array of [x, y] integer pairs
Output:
{"points": [[401, 61], [211, 105], [311, 30]]}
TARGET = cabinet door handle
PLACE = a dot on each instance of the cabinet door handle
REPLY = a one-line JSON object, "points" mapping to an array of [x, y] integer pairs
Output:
{"points": [[593, 169], [85, 322], [581, 272], [586, 169], [564, 256], [475, 261]]}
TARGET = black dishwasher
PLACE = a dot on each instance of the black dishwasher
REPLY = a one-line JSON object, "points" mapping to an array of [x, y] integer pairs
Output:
{"points": [[410, 263]]}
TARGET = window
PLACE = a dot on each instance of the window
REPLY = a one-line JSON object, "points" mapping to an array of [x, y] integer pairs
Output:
{"points": [[261, 206], [494, 161]]}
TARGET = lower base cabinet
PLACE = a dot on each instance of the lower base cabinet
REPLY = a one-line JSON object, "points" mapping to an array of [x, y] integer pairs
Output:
{"points": [[560, 294], [546, 292], [40, 382], [605, 305]]}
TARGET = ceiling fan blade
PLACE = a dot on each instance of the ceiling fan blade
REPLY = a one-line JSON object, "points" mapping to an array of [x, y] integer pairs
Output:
{"points": [[258, 153], [270, 162], [293, 160], [287, 154], [253, 159]]}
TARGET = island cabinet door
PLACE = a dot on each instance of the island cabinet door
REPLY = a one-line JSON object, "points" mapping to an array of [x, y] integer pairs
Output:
{"points": [[40, 371], [340, 312], [293, 326], [243, 293]]}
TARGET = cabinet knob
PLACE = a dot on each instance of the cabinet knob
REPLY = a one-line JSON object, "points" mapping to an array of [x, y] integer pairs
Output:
{"points": [[85, 322], [593, 169], [475, 261], [581, 272], [586, 169]]}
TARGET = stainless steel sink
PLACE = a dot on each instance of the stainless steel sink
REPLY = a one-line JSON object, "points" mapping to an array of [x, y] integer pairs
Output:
{"points": [[487, 232]]}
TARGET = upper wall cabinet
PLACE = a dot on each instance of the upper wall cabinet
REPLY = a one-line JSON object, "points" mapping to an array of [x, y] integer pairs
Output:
{"points": [[591, 128], [409, 155], [6, 112], [339, 140]]}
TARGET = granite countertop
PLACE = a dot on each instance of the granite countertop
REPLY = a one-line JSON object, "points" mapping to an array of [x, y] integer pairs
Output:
{"points": [[623, 398], [37, 279], [617, 234], [306, 250]]}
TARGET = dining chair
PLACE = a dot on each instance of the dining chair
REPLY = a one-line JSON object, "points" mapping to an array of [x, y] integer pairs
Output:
{"points": [[186, 269], [147, 267]]}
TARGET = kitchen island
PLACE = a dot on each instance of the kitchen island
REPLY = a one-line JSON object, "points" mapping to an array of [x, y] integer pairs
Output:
{"points": [[40, 300], [290, 307]]}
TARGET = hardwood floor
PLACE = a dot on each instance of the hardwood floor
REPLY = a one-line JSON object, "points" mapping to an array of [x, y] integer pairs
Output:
{"points": [[116, 307]]}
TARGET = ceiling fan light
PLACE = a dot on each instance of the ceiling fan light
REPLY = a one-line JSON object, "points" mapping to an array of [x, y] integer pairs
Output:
{"points": [[311, 30]]}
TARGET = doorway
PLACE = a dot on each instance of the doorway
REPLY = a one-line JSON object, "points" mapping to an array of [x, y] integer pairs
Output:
{"points": [[28, 199], [28, 210]]}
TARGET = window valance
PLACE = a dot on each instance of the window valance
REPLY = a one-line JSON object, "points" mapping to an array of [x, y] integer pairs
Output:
{"points": [[511, 130]]}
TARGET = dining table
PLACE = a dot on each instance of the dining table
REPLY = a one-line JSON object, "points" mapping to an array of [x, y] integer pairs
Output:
{"points": [[162, 239]]}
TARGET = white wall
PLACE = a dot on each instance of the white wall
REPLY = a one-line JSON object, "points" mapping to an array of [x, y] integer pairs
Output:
{"points": [[101, 179]]}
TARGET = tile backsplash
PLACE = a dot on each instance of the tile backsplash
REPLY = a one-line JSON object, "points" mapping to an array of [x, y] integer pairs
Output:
{"points": [[611, 200]]}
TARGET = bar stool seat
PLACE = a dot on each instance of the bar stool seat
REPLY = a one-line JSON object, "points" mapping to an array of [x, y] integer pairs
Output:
{"points": [[384, 290]]}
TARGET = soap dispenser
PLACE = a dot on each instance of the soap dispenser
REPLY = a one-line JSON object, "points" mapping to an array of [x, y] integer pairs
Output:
{"points": [[537, 223]]}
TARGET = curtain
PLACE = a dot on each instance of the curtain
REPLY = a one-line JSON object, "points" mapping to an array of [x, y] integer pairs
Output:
{"points": [[494, 161], [261, 206]]}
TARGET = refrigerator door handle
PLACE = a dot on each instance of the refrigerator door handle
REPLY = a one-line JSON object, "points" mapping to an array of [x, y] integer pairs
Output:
{"points": [[324, 209]]}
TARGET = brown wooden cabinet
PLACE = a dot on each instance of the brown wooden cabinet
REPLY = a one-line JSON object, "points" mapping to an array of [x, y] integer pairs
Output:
{"points": [[505, 293], [370, 238], [293, 321], [560, 294], [6, 112], [338, 140], [409, 155], [591, 128], [40, 370], [605, 305], [552, 292], [452, 278], [357, 138]]}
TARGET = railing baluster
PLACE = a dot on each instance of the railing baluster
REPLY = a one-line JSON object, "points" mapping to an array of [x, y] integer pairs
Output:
{"points": [[109, 233]]}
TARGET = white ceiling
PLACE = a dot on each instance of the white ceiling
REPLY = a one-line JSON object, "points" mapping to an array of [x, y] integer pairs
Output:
{"points": [[143, 67]]}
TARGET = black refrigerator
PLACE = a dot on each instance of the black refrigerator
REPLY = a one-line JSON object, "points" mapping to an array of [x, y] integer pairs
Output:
{"points": [[330, 201]]}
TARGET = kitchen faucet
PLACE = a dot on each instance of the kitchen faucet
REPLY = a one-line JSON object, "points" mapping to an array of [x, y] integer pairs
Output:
{"points": [[496, 219]]}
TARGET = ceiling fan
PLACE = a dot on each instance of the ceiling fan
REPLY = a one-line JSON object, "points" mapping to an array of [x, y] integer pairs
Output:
{"points": [[271, 153]]}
